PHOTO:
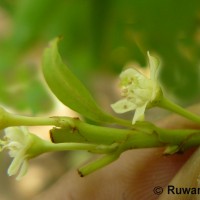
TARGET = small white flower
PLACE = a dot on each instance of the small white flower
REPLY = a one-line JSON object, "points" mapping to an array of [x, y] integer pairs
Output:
{"points": [[138, 91], [17, 140]]}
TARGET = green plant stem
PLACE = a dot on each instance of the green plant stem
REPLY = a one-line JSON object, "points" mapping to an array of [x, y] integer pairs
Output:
{"points": [[102, 149], [18, 120], [152, 136], [97, 164], [73, 134], [69, 146], [78, 131], [8, 119], [98, 135], [165, 103]]}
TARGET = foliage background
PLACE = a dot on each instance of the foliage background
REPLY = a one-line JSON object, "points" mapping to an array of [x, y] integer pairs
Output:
{"points": [[99, 39]]}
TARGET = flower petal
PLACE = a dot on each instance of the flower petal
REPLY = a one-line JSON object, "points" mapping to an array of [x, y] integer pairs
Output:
{"points": [[23, 170], [130, 75], [123, 106], [144, 94], [16, 163], [15, 134], [139, 114], [153, 64]]}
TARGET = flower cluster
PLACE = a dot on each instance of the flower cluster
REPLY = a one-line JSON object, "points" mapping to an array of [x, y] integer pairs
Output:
{"points": [[17, 140], [22, 146], [138, 91]]}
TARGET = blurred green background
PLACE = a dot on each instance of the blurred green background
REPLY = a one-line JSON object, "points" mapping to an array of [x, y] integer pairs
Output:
{"points": [[99, 39], [98, 36]]}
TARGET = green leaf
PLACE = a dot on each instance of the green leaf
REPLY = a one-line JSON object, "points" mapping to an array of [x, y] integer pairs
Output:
{"points": [[68, 89]]}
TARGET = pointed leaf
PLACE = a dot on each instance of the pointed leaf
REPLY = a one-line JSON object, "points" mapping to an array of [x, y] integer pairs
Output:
{"points": [[67, 88]]}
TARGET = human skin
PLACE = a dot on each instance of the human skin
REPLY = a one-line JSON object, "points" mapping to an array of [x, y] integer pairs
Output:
{"points": [[135, 174]]}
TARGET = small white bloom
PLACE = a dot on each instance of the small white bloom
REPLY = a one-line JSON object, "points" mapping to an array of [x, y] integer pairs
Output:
{"points": [[138, 91], [17, 140]]}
